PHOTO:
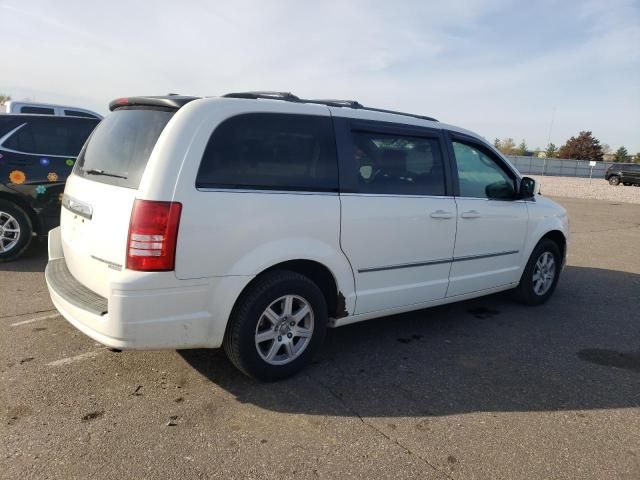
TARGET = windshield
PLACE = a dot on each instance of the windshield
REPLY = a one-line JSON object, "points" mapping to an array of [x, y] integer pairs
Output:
{"points": [[119, 148]]}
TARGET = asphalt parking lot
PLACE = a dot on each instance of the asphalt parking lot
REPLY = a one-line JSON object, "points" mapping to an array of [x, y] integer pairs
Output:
{"points": [[483, 389]]}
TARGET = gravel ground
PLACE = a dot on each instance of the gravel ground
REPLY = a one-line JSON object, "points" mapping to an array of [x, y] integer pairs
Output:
{"points": [[599, 189]]}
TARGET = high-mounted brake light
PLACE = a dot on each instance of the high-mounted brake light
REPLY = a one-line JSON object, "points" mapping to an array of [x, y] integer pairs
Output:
{"points": [[153, 233]]}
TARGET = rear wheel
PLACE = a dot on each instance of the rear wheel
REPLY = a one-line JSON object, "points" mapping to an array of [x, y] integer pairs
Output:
{"points": [[277, 326], [15, 231], [614, 180], [541, 274]]}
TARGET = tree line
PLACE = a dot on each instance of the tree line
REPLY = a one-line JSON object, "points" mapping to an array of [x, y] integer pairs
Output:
{"points": [[584, 146]]}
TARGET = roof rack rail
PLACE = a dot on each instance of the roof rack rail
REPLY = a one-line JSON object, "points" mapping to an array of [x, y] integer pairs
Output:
{"points": [[337, 103], [382, 110], [358, 105], [288, 96]]}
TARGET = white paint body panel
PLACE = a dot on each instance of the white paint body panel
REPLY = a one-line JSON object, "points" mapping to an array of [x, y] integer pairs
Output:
{"points": [[380, 232], [488, 227], [226, 238]]}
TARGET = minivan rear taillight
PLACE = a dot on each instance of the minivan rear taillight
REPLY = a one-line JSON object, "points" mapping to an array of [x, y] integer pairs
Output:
{"points": [[153, 232]]}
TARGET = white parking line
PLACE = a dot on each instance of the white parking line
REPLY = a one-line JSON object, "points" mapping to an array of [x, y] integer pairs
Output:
{"points": [[37, 319], [77, 358]]}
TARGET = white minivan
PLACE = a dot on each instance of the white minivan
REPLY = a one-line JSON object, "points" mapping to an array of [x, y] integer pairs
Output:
{"points": [[256, 220]]}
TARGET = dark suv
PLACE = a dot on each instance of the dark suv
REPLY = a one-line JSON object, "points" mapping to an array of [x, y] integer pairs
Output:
{"points": [[37, 153], [623, 173]]}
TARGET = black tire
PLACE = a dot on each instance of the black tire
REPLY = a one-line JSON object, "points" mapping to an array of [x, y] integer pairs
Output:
{"points": [[614, 180], [525, 291], [240, 342], [24, 236]]}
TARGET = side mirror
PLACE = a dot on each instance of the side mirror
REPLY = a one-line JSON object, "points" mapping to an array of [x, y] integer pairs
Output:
{"points": [[528, 187]]}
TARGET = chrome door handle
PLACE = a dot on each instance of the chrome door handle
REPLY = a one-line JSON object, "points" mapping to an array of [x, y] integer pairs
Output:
{"points": [[441, 214], [471, 214]]}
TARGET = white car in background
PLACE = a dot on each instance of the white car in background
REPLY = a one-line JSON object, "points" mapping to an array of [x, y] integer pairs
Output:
{"points": [[13, 106], [254, 221]]}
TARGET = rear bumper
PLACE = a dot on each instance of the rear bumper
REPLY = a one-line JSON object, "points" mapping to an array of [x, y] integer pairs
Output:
{"points": [[136, 315]]}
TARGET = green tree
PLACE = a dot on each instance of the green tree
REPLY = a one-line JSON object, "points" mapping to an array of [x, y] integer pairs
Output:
{"points": [[496, 143], [551, 151], [508, 146], [4, 98], [621, 155], [522, 148], [583, 147]]}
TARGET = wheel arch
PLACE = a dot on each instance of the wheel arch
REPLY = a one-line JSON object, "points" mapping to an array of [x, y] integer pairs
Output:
{"points": [[36, 223], [316, 271], [558, 237]]}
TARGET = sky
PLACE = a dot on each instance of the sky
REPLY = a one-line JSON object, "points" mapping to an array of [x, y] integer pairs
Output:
{"points": [[536, 70]]}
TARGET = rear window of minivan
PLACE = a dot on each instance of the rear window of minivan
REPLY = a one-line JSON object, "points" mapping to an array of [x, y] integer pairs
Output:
{"points": [[271, 151], [119, 148]]}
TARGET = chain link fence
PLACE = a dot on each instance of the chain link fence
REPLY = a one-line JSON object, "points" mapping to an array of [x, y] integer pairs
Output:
{"points": [[558, 167]]}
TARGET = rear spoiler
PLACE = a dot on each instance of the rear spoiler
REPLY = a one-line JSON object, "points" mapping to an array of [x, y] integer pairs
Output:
{"points": [[171, 102]]}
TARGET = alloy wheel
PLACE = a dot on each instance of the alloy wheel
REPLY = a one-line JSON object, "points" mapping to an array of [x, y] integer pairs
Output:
{"points": [[544, 273], [9, 232], [284, 330]]}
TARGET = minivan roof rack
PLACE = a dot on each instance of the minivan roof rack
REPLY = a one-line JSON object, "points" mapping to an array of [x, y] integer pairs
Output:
{"points": [[289, 97], [359, 106], [337, 103]]}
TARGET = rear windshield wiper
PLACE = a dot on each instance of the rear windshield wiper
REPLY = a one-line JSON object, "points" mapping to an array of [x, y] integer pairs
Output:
{"points": [[95, 171]]}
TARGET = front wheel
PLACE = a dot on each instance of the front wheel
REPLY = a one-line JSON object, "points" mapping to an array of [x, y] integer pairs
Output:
{"points": [[15, 231], [614, 180], [277, 326], [541, 274]]}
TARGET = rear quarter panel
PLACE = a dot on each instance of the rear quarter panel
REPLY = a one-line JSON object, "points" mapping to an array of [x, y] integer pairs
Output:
{"points": [[226, 233]]}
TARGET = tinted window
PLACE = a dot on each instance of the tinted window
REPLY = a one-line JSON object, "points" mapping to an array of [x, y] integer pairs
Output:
{"points": [[50, 136], [38, 110], [480, 173], [271, 151], [7, 123], [121, 145], [76, 113], [398, 164]]}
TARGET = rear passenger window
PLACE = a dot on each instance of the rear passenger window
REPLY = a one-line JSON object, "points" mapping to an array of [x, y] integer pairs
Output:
{"points": [[37, 110], [398, 164], [271, 151], [51, 136]]}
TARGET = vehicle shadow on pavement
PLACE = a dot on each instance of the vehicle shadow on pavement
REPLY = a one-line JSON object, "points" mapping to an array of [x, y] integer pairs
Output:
{"points": [[579, 351], [33, 260]]}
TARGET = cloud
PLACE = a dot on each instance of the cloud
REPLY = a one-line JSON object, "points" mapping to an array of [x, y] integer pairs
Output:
{"points": [[499, 67]]}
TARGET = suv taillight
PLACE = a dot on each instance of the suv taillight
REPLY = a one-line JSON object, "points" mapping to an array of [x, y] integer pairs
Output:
{"points": [[153, 232]]}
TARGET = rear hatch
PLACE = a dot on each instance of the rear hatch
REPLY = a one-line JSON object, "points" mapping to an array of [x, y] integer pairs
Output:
{"points": [[100, 193]]}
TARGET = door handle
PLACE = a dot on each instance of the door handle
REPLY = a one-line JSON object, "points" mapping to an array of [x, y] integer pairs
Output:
{"points": [[441, 214], [471, 214]]}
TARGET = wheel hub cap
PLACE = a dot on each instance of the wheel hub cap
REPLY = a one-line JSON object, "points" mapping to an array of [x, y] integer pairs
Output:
{"points": [[284, 330], [544, 273], [9, 232]]}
